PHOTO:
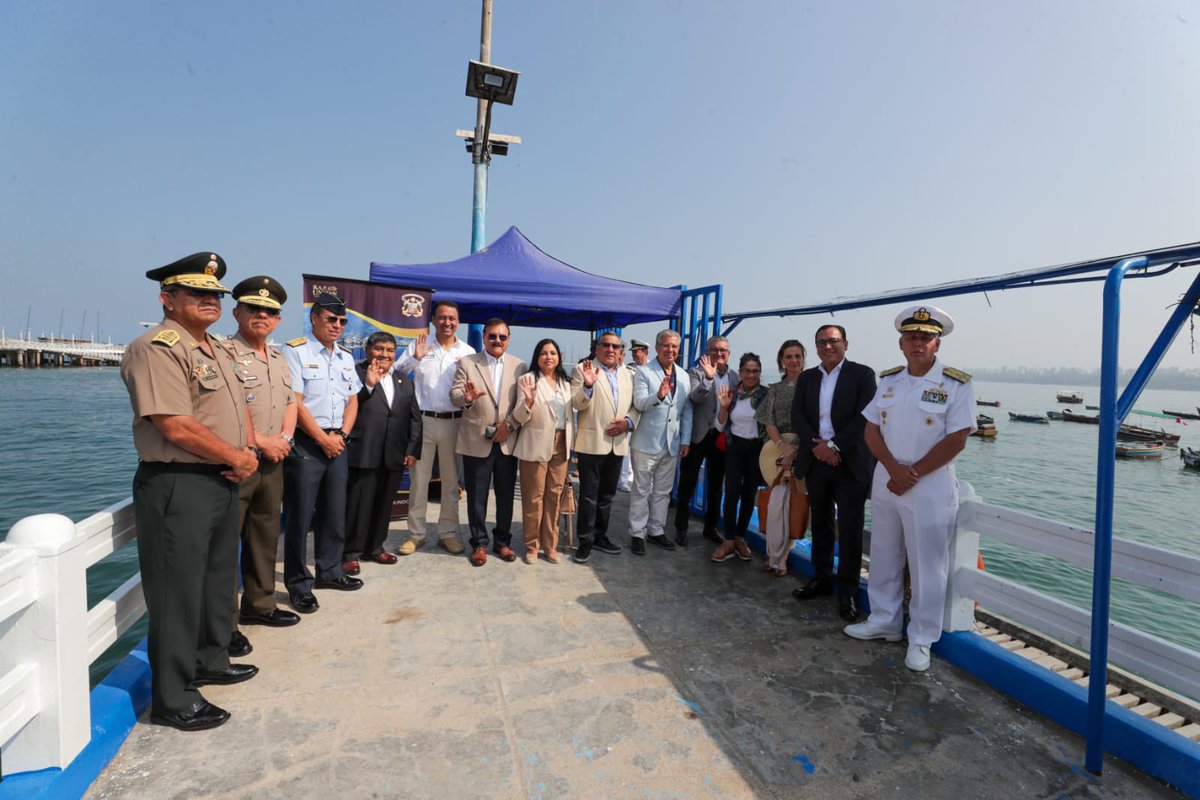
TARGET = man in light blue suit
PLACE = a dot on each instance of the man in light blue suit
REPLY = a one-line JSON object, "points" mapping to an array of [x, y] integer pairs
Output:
{"points": [[660, 393]]}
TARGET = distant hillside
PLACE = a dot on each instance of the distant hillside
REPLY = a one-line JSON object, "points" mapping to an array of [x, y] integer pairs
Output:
{"points": [[1166, 378]]}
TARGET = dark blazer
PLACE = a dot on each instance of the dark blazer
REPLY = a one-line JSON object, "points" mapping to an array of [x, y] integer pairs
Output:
{"points": [[383, 435], [855, 388]]}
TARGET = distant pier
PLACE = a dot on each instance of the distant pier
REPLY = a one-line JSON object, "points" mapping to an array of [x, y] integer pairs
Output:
{"points": [[52, 352]]}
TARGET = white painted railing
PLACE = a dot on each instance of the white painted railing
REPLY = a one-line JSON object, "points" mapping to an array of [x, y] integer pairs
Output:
{"points": [[1165, 663], [49, 638]]}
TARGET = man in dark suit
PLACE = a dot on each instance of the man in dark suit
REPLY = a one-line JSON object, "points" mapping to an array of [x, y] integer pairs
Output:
{"points": [[386, 439], [834, 461]]}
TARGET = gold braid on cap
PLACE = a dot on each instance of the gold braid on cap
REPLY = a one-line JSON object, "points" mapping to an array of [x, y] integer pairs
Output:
{"points": [[921, 315]]}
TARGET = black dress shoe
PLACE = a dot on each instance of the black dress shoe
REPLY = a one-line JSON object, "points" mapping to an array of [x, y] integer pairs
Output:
{"points": [[239, 645], [304, 603], [583, 552], [342, 584], [662, 541], [605, 545], [200, 717], [681, 537], [847, 607], [276, 618], [234, 673], [816, 587], [637, 546]]}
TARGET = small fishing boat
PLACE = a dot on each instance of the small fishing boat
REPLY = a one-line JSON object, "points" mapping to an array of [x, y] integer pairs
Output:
{"points": [[1140, 449], [1191, 457], [992, 403], [1028, 418], [985, 431], [1071, 417], [1054, 414], [1181, 414], [1132, 433], [1092, 408], [1073, 398], [984, 419]]}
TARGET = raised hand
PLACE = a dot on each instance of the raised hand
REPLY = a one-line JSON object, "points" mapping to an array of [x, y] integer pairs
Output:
{"points": [[710, 369], [470, 393], [665, 388], [421, 346], [528, 386], [724, 397], [375, 372], [589, 372]]}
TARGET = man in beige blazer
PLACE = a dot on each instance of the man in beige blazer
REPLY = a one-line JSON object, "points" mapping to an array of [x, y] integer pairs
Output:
{"points": [[485, 388], [602, 393]]}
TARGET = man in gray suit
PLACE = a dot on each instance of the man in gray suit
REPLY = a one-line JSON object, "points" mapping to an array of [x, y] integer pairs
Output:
{"points": [[660, 392], [706, 378]]}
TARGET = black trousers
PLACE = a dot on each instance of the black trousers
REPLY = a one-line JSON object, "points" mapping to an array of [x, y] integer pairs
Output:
{"points": [[598, 479], [478, 476], [836, 486], [689, 476], [186, 517], [742, 479], [314, 494], [369, 510]]}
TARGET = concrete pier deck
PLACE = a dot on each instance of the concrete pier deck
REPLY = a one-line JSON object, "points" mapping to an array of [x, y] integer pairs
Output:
{"points": [[665, 676]]}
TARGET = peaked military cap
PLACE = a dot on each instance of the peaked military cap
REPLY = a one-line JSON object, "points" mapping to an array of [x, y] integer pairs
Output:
{"points": [[331, 303], [638, 344], [260, 290], [929, 319], [197, 271]]}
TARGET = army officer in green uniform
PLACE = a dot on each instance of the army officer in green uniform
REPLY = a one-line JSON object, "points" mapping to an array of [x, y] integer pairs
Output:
{"points": [[190, 429]]}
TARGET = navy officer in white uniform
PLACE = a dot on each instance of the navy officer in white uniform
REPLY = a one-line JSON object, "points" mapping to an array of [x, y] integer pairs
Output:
{"points": [[917, 423], [316, 471]]}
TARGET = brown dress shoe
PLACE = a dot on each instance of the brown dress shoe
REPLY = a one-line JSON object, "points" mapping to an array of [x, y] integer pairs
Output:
{"points": [[741, 548], [505, 553], [384, 558], [479, 556], [351, 567]]}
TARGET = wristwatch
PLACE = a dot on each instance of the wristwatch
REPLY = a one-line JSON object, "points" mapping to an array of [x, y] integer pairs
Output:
{"points": [[290, 441], [345, 436], [508, 424], [255, 450]]}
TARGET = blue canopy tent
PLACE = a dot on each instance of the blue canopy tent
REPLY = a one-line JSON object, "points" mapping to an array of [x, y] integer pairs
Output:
{"points": [[515, 280]]}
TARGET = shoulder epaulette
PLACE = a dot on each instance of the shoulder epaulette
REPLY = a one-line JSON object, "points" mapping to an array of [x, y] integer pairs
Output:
{"points": [[299, 340], [956, 375], [167, 338], [891, 371]]}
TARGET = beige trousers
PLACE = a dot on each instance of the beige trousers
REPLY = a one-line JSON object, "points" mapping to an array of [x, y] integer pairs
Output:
{"points": [[438, 436], [541, 493]]}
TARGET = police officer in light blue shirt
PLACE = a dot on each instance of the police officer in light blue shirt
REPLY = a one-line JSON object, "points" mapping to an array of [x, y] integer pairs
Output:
{"points": [[316, 471]]}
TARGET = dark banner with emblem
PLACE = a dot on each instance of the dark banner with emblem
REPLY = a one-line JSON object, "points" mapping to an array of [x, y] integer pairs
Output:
{"points": [[399, 310]]}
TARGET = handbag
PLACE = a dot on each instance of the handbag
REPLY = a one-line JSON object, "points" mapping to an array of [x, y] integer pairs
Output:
{"points": [[796, 504]]}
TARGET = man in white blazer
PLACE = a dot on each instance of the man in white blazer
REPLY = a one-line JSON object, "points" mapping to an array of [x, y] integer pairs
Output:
{"points": [[660, 394], [602, 393], [485, 388]]}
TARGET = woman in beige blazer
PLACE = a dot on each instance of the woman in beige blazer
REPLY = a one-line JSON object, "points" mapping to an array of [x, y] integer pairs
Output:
{"points": [[543, 447]]}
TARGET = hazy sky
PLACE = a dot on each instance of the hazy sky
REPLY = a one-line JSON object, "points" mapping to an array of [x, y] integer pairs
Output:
{"points": [[792, 151]]}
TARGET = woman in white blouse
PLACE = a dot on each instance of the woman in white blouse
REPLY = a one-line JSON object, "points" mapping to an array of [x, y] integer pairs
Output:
{"points": [[743, 442], [543, 447]]}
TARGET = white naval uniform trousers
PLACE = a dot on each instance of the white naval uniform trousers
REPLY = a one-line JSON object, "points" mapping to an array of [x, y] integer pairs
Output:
{"points": [[913, 415]]}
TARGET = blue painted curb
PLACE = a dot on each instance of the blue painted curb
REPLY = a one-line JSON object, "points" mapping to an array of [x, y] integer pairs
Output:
{"points": [[1144, 744], [116, 704]]}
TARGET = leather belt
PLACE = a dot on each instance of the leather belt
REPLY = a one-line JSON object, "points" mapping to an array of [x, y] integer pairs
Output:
{"points": [[184, 466], [442, 414]]}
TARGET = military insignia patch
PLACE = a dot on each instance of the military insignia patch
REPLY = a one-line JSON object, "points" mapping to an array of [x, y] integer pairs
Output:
{"points": [[299, 340], [891, 371], [956, 374], [168, 338], [938, 396], [205, 372]]}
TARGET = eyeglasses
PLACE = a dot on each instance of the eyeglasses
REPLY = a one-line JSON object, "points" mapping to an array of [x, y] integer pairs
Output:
{"points": [[252, 310], [335, 320], [497, 337], [829, 342], [611, 345], [200, 294], [719, 350]]}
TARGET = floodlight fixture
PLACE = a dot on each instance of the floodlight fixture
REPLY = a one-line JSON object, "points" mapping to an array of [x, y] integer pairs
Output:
{"points": [[489, 82]]}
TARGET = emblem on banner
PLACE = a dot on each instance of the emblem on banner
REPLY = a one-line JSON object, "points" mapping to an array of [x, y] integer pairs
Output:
{"points": [[412, 305], [328, 288]]}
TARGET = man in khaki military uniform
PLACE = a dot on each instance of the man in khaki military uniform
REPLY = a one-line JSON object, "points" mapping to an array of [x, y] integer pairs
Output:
{"points": [[190, 431], [266, 383]]}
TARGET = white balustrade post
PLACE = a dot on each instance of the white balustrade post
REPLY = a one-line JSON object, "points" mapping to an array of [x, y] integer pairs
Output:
{"points": [[964, 555], [52, 633]]}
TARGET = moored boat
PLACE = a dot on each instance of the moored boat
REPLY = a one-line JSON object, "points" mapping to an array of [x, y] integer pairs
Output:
{"points": [[1054, 414], [985, 431], [1085, 418], [992, 403], [1133, 433], [1028, 418], [1190, 457], [1181, 414], [984, 419], [1140, 449], [1069, 397]]}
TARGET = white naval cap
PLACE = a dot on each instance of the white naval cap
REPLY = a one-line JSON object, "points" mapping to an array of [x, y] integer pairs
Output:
{"points": [[929, 319]]}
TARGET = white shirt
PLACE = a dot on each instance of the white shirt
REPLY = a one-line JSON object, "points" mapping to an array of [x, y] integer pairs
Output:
{"points": [[915, 413], [825, 404], [497, 365], [434, 374], [389, 388], [741, 419], [559, 398]]}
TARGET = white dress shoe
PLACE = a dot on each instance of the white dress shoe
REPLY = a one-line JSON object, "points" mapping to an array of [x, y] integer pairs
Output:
{"points": [[867, 630], [918, 657]]}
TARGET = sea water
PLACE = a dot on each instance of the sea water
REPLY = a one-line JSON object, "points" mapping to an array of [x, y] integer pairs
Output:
{"points": [[71, 452]]}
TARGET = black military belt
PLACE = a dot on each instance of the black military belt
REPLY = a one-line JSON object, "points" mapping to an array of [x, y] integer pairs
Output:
{"points": [[442, 414], [176, 466]]}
